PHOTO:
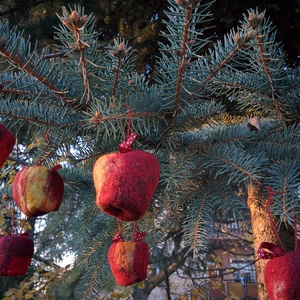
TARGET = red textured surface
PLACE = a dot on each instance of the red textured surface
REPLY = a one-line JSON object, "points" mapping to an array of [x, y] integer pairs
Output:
{"points": [[282, 277], [129, 261], [125, 183], [47, 196], [15, 255], [7, 142]]}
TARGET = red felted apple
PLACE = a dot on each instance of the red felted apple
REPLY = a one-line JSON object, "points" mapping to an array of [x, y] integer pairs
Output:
{"points": [[128, 261], [7, 142], [282, 272], [15, 254], [38, 190], [125, 182]]}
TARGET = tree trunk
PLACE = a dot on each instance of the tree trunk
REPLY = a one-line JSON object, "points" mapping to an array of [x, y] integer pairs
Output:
{"points": [[262, 232]]}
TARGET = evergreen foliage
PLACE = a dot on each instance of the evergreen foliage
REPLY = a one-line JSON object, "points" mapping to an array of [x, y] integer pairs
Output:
{"points": [[194, 117]]}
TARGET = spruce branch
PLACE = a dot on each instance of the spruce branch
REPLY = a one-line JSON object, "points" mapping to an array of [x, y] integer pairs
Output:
{"points": [[76, 23], [30, 70], [89, 290], [182, 56], [116, 77], [81, 48], [120, 53], [16, 92], [198, 225], [35, 120], [98, 119], [259, 40], [182, 62], [241, 40]]}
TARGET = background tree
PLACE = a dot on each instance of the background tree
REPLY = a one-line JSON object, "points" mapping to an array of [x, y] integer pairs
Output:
{"points": [[142, 28], [194, 116]]}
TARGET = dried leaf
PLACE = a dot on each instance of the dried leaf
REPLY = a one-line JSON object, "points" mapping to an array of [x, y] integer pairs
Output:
{"points": [[254, 124]]}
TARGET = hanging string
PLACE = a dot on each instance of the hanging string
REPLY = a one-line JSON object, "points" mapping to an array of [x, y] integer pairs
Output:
{"points": [[119, 226], [118, 236], [126, 146], [128, 121], [12, 220]]}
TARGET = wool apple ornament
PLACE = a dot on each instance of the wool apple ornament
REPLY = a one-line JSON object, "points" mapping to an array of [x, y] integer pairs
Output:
{"points": [[7, 142], [282, 272], [15, 254], [129, 260], [126, 181], [38, 190]]}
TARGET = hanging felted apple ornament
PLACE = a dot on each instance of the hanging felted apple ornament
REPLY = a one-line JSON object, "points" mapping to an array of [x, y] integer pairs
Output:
{"points": [[15, 254], [126, 181], [282, 272], [129, 260], [38, 190], [7, 142]]}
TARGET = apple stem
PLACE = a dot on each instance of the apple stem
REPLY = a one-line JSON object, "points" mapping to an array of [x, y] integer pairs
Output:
{"points": [[119, 227], [56, 168], [271, 193], [126, 146]]}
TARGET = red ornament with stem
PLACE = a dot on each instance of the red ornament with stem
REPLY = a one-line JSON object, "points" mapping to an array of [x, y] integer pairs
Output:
{"points": [[126, 181], [129, 260], [282, 272]]}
